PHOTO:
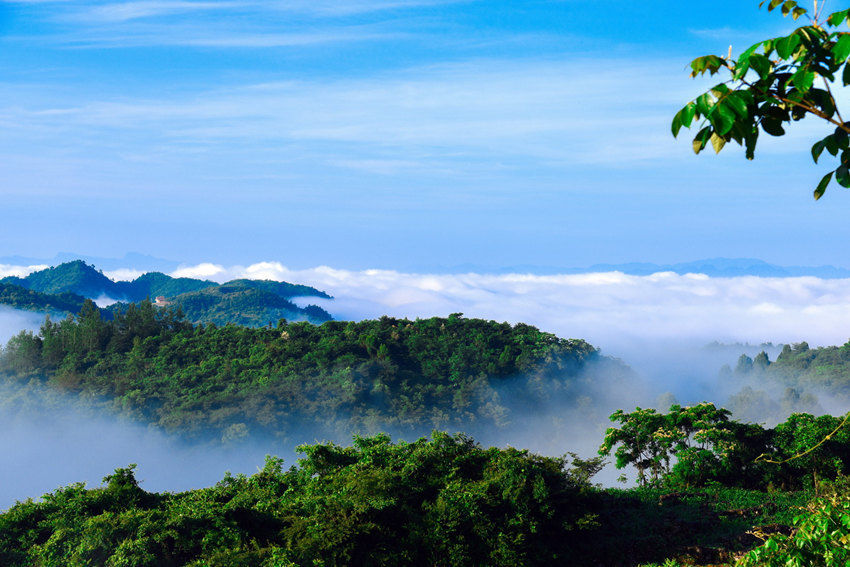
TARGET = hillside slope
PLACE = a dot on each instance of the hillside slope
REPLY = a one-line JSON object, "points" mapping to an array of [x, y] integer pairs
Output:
{"points": [[61, 290], [232, 382]]}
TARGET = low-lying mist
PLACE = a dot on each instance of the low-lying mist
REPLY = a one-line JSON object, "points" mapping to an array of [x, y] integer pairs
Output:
{"points": [[50, 440], [676, 332]]}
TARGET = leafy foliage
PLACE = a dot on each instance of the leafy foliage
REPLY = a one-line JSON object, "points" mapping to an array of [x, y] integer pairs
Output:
{"points": [[804, 371], [23, 298], [821, 535], [215, 381], [776, 82], [708, 447], [242, 304], [443, 501]]}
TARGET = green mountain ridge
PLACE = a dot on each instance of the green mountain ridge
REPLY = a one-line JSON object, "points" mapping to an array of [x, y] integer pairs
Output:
{"points": [[62, 290], [86, 280]]}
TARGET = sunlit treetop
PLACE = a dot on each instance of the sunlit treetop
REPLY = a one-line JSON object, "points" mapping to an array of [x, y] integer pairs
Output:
{"points": [[777, 81]]}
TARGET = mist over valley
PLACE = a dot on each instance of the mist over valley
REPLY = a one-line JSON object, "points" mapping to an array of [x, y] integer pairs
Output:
{"points": [[650, 354]]}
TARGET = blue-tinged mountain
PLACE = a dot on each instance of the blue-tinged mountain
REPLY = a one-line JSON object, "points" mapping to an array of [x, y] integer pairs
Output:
{"points": [[63, 288], [714, 267], [83, 279]]}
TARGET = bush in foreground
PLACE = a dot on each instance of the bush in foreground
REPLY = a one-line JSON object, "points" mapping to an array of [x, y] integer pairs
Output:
{"points": [[438, 501]]}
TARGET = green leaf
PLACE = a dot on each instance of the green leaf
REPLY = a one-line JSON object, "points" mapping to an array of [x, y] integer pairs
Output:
{"points": [[837, 18], [841, 48], [704, 104], [831, 145], [842, 140], [821, 99], [719, 90], [760, 64], [745, 56], [711, 63], [676, 125], [797, 12], [803, 79], [817, 150], [786, 46], [701, 139], [772, 126], [788, 6], [845, 75], [740, 70], [819, 190], [750, 143], [738, 104], [717, 142], [842, 175], [688, 114], [746, 96], [722, 119]]}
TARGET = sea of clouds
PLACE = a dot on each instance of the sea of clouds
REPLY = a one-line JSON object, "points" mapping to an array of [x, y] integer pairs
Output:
{"points": [[658, 324], [610, 309]]}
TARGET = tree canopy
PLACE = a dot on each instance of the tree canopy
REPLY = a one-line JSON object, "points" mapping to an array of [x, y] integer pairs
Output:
{"points": [[775, 82]]}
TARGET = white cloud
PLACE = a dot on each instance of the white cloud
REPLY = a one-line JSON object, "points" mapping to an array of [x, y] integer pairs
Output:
{"points": [[609, 309], [465, 119], [127, 11], [204, 270], [7, 270], [123, 274]]}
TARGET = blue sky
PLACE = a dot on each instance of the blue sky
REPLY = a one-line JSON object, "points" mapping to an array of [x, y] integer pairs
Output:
{"points": [[400, 134]]}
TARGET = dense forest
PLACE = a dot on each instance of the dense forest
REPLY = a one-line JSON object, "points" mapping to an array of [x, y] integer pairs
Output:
{"points": [[240, 302], [230, 382], [706, 482], [799, 379], [438, 501], [60, 304]]}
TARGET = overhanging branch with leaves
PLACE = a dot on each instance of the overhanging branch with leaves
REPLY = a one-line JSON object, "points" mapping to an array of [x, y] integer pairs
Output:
{"points": [[776, 82]]}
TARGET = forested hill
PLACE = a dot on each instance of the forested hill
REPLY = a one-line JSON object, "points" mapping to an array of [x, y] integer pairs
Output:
{"points": [[240, 302], [62, 289], [54, 304], [804, 370], [232, 382], [85, 280]]}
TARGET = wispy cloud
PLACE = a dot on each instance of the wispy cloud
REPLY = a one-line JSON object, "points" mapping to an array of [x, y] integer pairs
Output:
{"points": [[97, 13], [126, 11], [493, 109], [213, 24]]}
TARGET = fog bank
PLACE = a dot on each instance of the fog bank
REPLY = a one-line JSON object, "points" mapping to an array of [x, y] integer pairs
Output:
{"points": [[612, 310]]}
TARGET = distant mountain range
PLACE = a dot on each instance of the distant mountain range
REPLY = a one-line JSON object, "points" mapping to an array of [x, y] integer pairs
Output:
{"points": [[64, 288], [134, 260], [714, 267]]}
